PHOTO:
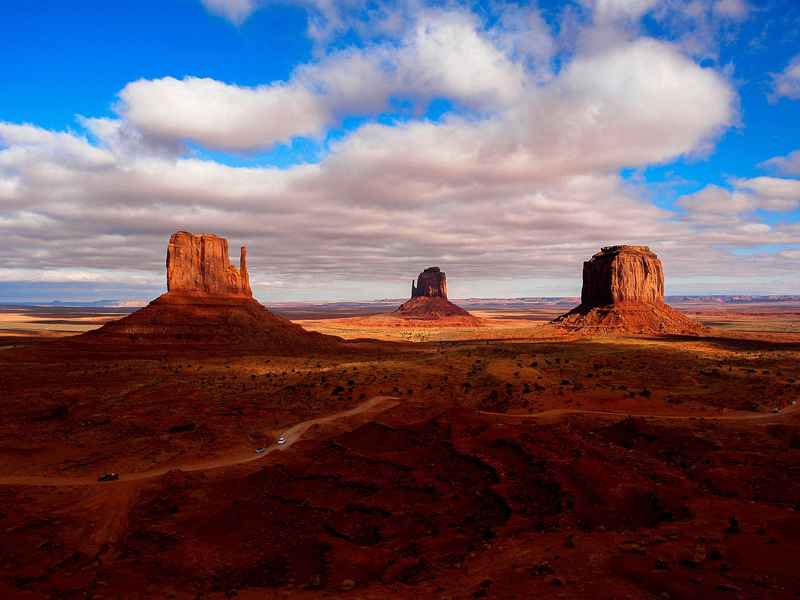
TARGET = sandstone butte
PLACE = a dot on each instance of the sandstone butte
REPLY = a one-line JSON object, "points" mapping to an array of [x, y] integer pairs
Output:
{"points": [[199, 264], [623, 292], [429, 300], [209, 301]]}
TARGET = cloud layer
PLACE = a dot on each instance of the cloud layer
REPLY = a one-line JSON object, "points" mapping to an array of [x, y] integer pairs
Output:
{"points": [[519, 179]]}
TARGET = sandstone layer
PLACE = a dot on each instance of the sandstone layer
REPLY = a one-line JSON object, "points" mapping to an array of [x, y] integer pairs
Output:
{"points": [[623, 293], [210, 302], [199, 264], [622, 274]]}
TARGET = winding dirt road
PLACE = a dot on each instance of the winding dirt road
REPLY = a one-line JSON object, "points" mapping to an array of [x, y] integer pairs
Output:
{"points": [[377, 404], [292, 435]]}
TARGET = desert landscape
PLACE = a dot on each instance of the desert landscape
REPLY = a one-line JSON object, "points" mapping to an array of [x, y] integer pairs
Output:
{"points": [[400, 299], [205, 447]]}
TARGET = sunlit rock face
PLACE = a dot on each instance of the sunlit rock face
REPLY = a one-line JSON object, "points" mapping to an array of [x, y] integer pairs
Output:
{"points": [[622, 274], [209, 303], [431, 283], [623, 293], [199, 264]]}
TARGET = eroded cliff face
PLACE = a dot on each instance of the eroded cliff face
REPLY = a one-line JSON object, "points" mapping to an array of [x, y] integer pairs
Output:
{"points": [[431, 283], [623, 293], [199, 264], [209, 303], [622, 274]]}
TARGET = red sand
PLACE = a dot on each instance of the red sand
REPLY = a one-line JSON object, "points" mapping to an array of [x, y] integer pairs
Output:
{"points": [[501, 469]]}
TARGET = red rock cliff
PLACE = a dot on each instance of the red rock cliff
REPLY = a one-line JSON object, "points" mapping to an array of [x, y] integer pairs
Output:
{"points": [[199, 264], [623, 293], [622, 274], [431, 283]]}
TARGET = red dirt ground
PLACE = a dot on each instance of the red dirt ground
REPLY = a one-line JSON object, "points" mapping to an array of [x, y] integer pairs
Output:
{"points": [[460, 469]]}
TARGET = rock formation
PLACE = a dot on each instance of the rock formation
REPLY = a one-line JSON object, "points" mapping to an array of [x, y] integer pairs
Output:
{"points": [[429, 300], [431, 283], [199, 264], [208, 301], [622, 274], [623, 292]]}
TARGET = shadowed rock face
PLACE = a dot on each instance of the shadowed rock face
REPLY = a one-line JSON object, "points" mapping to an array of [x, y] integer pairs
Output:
{"points": [[429, 300], [622, 274], [199, 264], [431, 283]]}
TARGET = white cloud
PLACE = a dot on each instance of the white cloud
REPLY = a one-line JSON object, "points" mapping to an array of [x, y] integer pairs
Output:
{"points": [[428, 62], [736, 10], [775, 193], [31, 142], [235, 11], [613, 10], [635, 104], [524, 184], [787, 83], [786, 165], [716, 205], [220, 115], [732, 210], [661, 101]]}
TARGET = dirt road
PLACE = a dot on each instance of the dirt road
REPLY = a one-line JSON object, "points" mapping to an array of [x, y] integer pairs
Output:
{"points": [[292, 435]]}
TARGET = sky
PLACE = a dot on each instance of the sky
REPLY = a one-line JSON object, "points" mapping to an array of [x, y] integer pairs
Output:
{"points": [[350, 144]]}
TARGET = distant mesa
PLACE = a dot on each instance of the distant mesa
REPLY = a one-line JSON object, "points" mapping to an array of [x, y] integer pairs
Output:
{"points": [[209, 301], [429, 300], [623, 292]]}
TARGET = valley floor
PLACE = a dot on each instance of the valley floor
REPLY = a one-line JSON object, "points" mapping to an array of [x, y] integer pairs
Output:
{"points": [[492, 462]]}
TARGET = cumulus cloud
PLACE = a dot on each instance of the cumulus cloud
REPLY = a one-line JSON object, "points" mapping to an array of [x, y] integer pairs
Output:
{"points": [[787, 83], [428, 62], [645, 88], [520, 180], [786, 165], [221, 115]]}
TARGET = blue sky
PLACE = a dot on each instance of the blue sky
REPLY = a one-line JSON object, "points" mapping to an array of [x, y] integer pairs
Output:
{"points": [[352, 147]]}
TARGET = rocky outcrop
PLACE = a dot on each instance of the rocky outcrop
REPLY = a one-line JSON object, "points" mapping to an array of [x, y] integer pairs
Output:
{"points": [[209, 303], [622, 274], [199, 264], [429, 302], [431, 283], [623, 293]]}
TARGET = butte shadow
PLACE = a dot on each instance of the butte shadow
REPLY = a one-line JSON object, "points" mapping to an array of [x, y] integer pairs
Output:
{"points": [[623, 294], [209, 302]]}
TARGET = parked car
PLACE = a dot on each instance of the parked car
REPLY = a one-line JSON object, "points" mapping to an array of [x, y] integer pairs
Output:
{"points": [[108, 477], [281, 440]]}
